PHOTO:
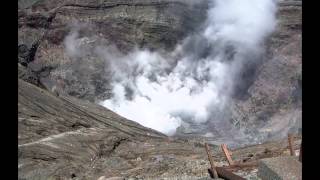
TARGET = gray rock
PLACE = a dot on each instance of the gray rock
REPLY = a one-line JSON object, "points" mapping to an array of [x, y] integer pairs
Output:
{"points": [[280, 168]]}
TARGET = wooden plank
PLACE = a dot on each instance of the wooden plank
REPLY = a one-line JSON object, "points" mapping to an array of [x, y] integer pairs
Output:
{"points": [[213, 167], [225, 174], [227, 154], [290, 142]]}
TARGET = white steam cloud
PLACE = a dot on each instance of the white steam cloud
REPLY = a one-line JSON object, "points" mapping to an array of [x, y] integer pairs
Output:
{"points": [[194, 82]]}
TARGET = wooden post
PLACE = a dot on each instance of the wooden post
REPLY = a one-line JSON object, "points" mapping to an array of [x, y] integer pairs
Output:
{"points": [[290, 142], [213, 167], [227, 154], [300, 154]]}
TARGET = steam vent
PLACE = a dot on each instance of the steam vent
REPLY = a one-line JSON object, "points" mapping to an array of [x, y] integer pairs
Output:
{"points": [[159, 89]]}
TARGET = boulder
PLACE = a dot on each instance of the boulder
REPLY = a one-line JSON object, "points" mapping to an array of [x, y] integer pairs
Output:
{"points": [[280, 168]]}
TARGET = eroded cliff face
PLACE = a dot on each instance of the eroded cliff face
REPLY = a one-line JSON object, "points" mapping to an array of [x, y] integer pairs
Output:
{"points": [[44, 25], [272, 106]]}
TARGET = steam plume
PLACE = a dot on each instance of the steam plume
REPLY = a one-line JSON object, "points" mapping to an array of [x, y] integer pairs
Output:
{"points": [[193, 83]]}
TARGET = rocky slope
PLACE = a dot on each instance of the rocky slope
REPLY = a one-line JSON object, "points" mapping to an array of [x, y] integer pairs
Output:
{"points": [[61, 137]]}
